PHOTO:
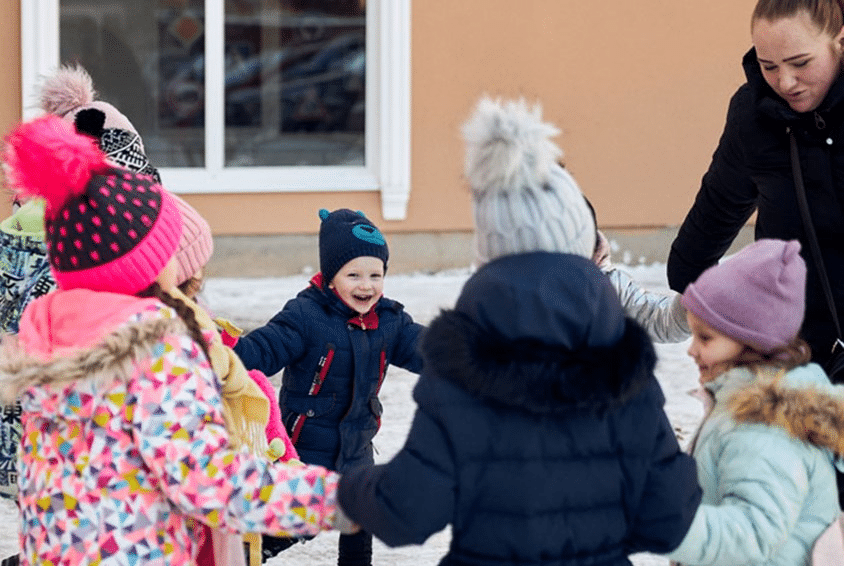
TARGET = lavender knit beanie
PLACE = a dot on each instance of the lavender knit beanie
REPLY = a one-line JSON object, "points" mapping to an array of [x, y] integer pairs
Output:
{"points": [[758, 297]]}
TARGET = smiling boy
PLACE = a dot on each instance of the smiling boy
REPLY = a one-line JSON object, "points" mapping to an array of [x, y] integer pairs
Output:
{"points": [[334, 341]]}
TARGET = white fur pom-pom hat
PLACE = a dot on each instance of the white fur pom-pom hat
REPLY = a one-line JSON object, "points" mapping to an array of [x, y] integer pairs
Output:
{"points": [[524, 201]]}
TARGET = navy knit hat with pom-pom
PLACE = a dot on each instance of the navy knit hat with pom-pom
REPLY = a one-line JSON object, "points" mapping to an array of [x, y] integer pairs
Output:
{"points": [[107, 228], [344, 235]]}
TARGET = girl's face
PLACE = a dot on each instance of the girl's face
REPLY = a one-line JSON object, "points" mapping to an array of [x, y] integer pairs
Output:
{"points": [[168, 278], [360, 283], [799, 60], [713, 352]]}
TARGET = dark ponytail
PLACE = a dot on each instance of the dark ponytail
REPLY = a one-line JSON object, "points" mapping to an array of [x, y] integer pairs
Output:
{"points": [[184, 312]]}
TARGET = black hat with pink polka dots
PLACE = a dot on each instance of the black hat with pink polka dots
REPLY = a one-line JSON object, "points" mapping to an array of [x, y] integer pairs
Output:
{"points": [[122, 231], [107, 228]]}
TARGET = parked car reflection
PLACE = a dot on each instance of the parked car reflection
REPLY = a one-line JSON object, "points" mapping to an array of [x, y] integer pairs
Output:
{"points": [[319, 86]]}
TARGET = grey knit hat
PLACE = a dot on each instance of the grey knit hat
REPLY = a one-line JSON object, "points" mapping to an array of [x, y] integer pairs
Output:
{"points": [[524, 201]]}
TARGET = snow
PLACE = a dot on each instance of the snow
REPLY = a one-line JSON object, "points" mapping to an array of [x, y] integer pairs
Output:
{"points": [[251, 302]]}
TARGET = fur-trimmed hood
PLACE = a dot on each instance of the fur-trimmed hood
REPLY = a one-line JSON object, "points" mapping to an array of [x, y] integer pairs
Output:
{"points": [[544, 332], [536, 377], [101, 343], [809, 409]]}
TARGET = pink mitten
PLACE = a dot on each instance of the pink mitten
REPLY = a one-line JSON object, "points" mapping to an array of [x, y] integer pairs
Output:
{"points": [[274, 427], [228, 331]]}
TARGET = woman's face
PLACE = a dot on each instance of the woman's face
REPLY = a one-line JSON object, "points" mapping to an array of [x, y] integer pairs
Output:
{"points": [[799, 60]]}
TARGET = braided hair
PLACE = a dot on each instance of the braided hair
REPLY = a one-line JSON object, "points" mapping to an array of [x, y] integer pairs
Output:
{"points": [[184, 312]]}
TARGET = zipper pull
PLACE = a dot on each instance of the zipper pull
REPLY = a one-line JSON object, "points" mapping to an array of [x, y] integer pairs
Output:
{"points": [[820, 123]]}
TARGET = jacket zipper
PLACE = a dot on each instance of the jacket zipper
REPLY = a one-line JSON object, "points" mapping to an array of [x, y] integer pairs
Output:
{"points": [[316, 385]]}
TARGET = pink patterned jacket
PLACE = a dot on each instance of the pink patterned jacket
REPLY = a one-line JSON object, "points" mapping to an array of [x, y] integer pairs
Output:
{"points": [[124, 441]]}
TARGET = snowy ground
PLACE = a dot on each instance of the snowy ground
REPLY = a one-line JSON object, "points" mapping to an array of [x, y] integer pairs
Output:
{"points": [[250, 302]]}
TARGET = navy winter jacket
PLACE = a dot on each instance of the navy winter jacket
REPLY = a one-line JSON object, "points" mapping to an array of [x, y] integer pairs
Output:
{"points": [[317, 336], [751, 170], [540, 434]]}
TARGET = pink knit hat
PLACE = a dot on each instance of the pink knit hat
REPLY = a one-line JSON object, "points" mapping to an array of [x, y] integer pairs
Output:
{"points": [[70, 95], [758, 297], [195, 245], [107, 228]]}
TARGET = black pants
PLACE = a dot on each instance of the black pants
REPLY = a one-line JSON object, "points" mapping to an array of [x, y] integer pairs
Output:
{"points": [[354, 550]]}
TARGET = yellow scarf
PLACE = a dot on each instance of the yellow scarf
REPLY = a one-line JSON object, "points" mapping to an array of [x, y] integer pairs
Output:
{"points": [[245, 407]]}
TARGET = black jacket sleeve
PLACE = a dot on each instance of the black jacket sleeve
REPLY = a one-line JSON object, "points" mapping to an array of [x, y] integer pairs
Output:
{"points": [[724, 203]]}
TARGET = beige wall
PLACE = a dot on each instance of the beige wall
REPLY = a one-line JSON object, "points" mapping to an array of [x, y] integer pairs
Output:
{"points": [[640, 90], [10, 70]]}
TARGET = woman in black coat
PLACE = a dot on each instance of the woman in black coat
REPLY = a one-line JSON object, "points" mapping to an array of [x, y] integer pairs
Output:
{"points": [[540, 435], [794, 86]]}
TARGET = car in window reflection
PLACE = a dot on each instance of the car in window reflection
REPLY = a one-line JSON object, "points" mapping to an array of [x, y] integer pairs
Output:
{"points": [[319, 86]]}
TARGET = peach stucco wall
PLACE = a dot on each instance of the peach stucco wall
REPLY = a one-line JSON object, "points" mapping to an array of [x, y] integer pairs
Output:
{"points": [[639, 89]]}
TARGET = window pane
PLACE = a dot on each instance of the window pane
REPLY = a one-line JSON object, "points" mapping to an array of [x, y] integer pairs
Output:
{"points": [[295, 88], [147, 59]]}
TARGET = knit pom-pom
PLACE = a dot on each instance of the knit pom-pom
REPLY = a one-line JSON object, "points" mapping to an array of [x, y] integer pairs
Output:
{"points": [[70, 88], [45, 157], [508, 146]]}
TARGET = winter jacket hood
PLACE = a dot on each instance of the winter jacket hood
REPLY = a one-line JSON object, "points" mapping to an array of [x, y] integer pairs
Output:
{"points": [[546, 347], [801, 402], [74, 319], [74, 335]]}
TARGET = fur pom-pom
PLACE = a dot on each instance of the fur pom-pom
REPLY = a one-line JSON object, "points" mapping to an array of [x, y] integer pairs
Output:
{"points": [[508, 146], [70, 88], [45, 157]]}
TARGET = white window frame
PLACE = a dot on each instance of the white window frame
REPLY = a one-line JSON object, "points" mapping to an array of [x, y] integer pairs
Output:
{"points": [[387, 137]]}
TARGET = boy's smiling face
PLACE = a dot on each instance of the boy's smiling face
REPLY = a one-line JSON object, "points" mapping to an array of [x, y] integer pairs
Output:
{"points": [[360, 283]]}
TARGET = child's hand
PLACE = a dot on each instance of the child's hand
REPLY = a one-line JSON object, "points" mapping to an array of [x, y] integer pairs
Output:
{"points": [[601, 257], [228, 331]]}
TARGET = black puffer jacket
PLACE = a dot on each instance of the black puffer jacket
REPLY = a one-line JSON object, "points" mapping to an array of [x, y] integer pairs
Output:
{"points": [[751, 170], [540, 434]]}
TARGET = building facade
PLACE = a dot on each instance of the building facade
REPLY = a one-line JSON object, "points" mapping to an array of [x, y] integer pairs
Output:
{"points": [[261, 112]]}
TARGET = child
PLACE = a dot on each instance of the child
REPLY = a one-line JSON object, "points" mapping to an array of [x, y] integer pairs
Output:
{"points": [[250, 408], [69, 94], [539, 434], [662, 315], [764, 453], [25, 273], [124, 437], [525, 200], [334, 342], [23, 262]]}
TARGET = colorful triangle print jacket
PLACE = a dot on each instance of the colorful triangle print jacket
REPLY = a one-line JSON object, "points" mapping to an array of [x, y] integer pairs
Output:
{"points": [[124, 442]]}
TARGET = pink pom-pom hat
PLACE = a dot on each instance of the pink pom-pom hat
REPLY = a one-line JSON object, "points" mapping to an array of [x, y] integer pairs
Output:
{"points": [[107, 228]]}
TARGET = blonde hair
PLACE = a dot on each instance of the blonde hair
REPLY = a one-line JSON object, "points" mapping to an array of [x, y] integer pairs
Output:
{"points": [[828, 15]]}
